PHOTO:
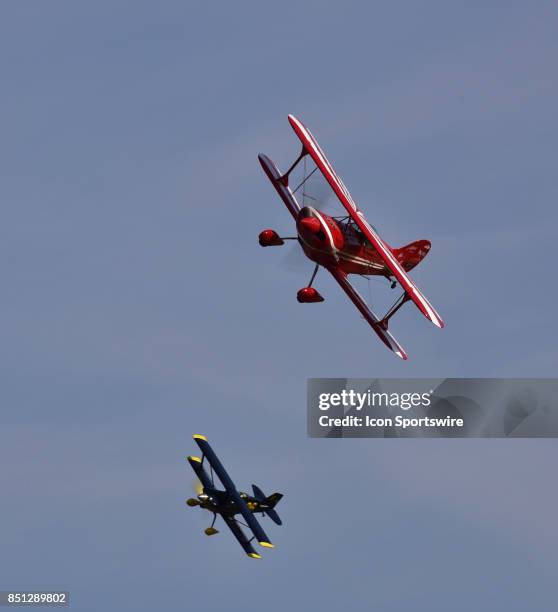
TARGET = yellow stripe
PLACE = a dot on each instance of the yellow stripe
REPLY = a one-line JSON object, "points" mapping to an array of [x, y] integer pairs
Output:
{"points": [[199, 437], [254, 555], [266, 544], [195, 459]]}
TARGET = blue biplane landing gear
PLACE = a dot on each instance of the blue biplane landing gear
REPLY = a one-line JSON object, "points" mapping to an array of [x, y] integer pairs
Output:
{"points": [[209, 531]]}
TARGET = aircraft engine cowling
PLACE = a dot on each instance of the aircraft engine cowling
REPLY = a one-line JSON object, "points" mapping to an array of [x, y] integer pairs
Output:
{"points": [[269, 237]]}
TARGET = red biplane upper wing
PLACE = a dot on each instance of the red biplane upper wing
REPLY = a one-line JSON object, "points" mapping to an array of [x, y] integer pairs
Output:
{"points": [[384, 335], [313, 148]]}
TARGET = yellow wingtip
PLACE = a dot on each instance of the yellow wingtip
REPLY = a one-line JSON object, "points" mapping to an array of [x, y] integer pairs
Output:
{"points": [[197, 459], [267, 544], [199, 437], [254, 555]]}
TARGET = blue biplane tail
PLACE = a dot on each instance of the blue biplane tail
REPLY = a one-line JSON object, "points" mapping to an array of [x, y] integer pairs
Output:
{"points": [[271, 501]]}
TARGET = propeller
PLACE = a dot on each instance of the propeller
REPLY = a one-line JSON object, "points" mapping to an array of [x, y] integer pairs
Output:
{"points": [[197, 486], [315, 191], [294, 259], [318, 194]]}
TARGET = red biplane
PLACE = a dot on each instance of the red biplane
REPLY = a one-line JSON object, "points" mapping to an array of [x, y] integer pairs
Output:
{"points": [[346, 245]]}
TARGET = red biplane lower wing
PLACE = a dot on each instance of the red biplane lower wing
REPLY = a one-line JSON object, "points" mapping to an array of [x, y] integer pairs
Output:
{"points": [[313, 149], [384, 335], [283, 190]]}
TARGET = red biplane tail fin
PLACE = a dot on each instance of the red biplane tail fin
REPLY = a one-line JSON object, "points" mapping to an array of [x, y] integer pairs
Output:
{"points": [[412, 254]]}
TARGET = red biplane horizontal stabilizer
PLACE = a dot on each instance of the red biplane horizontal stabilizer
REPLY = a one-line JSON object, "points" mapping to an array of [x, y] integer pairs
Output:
{"points": [[311, 147]]}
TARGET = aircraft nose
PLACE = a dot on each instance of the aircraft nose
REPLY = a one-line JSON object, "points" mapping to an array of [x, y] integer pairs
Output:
{"points": [[310, 224]]}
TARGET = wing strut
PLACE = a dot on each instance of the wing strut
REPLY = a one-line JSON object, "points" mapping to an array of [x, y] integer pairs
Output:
{"points": [[285, 178], [398, 303], [301, 184]]}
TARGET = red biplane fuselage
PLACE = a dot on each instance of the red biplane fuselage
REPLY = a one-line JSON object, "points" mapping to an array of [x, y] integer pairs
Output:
{"points": [[337, 242]]}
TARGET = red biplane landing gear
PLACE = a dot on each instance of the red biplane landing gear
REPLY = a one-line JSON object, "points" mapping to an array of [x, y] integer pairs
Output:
{"points": [[209, 531], [309, 295], [269, 237], [392, 281]]}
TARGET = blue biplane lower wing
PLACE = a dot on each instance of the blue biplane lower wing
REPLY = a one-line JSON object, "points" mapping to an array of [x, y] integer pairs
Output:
{"points": [[241, 537], [202, 475]]}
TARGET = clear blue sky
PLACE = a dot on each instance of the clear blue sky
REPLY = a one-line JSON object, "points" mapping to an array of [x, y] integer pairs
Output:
{"points": [[138, 308]]}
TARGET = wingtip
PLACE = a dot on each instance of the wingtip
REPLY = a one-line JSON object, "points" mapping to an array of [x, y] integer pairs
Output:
{"points": [[199, 437], [254, 555], [196, 459], [267, 544], [400, 352]]}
